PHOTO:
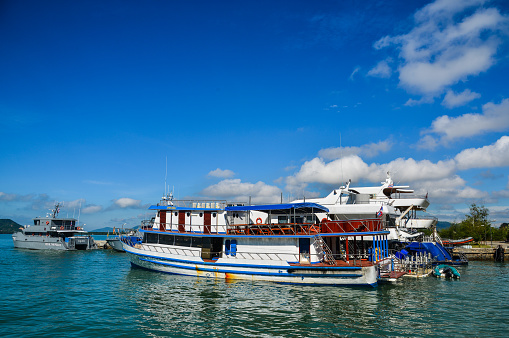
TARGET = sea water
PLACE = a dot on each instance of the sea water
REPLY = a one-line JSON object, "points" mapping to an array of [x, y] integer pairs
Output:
{"points": [[98, 294]]}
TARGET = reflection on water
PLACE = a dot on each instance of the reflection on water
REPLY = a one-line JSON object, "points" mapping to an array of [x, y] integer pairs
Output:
{"points": [[188, 306], [89, 294]]}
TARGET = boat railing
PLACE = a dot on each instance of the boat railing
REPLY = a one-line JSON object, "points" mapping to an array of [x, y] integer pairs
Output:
{"points": [[293, 258], [200, 204], [324, 227], [417, 264]]}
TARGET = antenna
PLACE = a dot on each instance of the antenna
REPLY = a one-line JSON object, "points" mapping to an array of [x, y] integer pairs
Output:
{"points": [[166, 176]]}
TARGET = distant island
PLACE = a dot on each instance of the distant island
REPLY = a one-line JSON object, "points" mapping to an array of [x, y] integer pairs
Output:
{"points": [[8, 226]]}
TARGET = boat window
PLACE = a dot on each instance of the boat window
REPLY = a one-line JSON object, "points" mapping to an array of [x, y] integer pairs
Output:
{"points": [[176, 213], [205, 242], [214, 214], [58, 222], [188, 214], [166, 239], [37, 222], [201, 214], [197, 242], [150, 238], [282, 219], [182, 240]]}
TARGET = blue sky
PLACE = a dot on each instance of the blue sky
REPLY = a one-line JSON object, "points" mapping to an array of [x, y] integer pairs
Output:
{"points": [[250, 99]]}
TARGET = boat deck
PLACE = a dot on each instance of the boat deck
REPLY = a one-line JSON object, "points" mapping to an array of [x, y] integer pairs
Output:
{"points": [[392, 274]]}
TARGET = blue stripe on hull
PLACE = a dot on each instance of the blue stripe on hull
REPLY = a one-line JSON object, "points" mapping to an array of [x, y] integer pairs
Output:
{"points": [[374, 285], [332, 279], [183, 261], [252, 272]]}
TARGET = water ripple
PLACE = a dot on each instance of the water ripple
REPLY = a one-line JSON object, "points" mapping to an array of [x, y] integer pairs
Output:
{"points": [[88, 294]]}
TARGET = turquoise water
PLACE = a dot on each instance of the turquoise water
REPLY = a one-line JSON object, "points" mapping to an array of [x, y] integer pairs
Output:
{"points": [[97, 293]]}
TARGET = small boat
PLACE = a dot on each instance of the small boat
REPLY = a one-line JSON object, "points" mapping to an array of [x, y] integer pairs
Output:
{"points": [[53, 232], [452, 242], [115, 242], [446, 271]]}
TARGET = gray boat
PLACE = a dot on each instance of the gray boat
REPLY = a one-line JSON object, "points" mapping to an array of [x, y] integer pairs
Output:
{"points": [[53, 232]]}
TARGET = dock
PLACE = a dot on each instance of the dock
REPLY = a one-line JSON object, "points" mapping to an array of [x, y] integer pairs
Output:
{"points": [[483, 254]]}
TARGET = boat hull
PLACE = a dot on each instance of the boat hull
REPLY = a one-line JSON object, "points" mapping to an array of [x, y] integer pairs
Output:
{"points": [[51, 243], [280, 272], [115, 244]]}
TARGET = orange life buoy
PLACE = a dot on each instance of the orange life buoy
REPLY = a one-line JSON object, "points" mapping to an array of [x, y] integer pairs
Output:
{"points": [[258, 220], [61, 228], [47, 222]]}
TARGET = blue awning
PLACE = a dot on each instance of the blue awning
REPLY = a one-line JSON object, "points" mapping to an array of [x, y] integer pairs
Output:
{"points": [[281, 208]]}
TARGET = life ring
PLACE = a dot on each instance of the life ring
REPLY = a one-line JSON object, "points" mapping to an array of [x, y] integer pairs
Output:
{"points": [[61, 228], [258, 220], [47, 222], [314, 229]]}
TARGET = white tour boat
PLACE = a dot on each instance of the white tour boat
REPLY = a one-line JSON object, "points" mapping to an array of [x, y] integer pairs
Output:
{"points": [[284, 243]]}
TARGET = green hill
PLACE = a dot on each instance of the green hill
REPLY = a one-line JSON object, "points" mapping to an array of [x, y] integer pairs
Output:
{"points": [[8, 226], [443, 224]]}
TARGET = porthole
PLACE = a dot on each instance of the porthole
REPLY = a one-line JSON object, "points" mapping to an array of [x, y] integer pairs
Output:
{"points": [[188, 214], [201, 214], [214, 214], [176, 213]]}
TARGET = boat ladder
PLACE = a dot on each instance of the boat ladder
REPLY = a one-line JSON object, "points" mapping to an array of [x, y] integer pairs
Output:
{"points": [[322, 247]]}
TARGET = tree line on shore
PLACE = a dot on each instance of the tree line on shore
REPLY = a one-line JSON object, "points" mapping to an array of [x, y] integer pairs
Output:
{"points": [[477, 225]]}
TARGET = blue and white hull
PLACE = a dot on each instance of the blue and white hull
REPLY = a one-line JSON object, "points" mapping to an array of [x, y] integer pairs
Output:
{"points": [[256, 270]]}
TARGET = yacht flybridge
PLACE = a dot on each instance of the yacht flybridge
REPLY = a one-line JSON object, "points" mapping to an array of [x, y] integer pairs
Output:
{"points": [[284, 243], [396, 204]]}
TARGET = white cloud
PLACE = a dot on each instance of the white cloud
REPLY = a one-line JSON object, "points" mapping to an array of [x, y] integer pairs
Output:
{"points": [[495, 118], [448, 43], [494, 155], [221, 173], [410, 170], [382, 70], [332, 173], [126, 202], [368, 150], [453, 100], [91, 209], [355, 71], [8, 197], [450, 190], [234, 189], [424, 99]]}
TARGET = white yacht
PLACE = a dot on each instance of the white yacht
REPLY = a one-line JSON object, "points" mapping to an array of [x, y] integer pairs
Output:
{"points": [[395, 204]]}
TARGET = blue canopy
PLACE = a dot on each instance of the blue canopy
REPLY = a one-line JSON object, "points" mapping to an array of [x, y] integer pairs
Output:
{"points": [[281, 208]]}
